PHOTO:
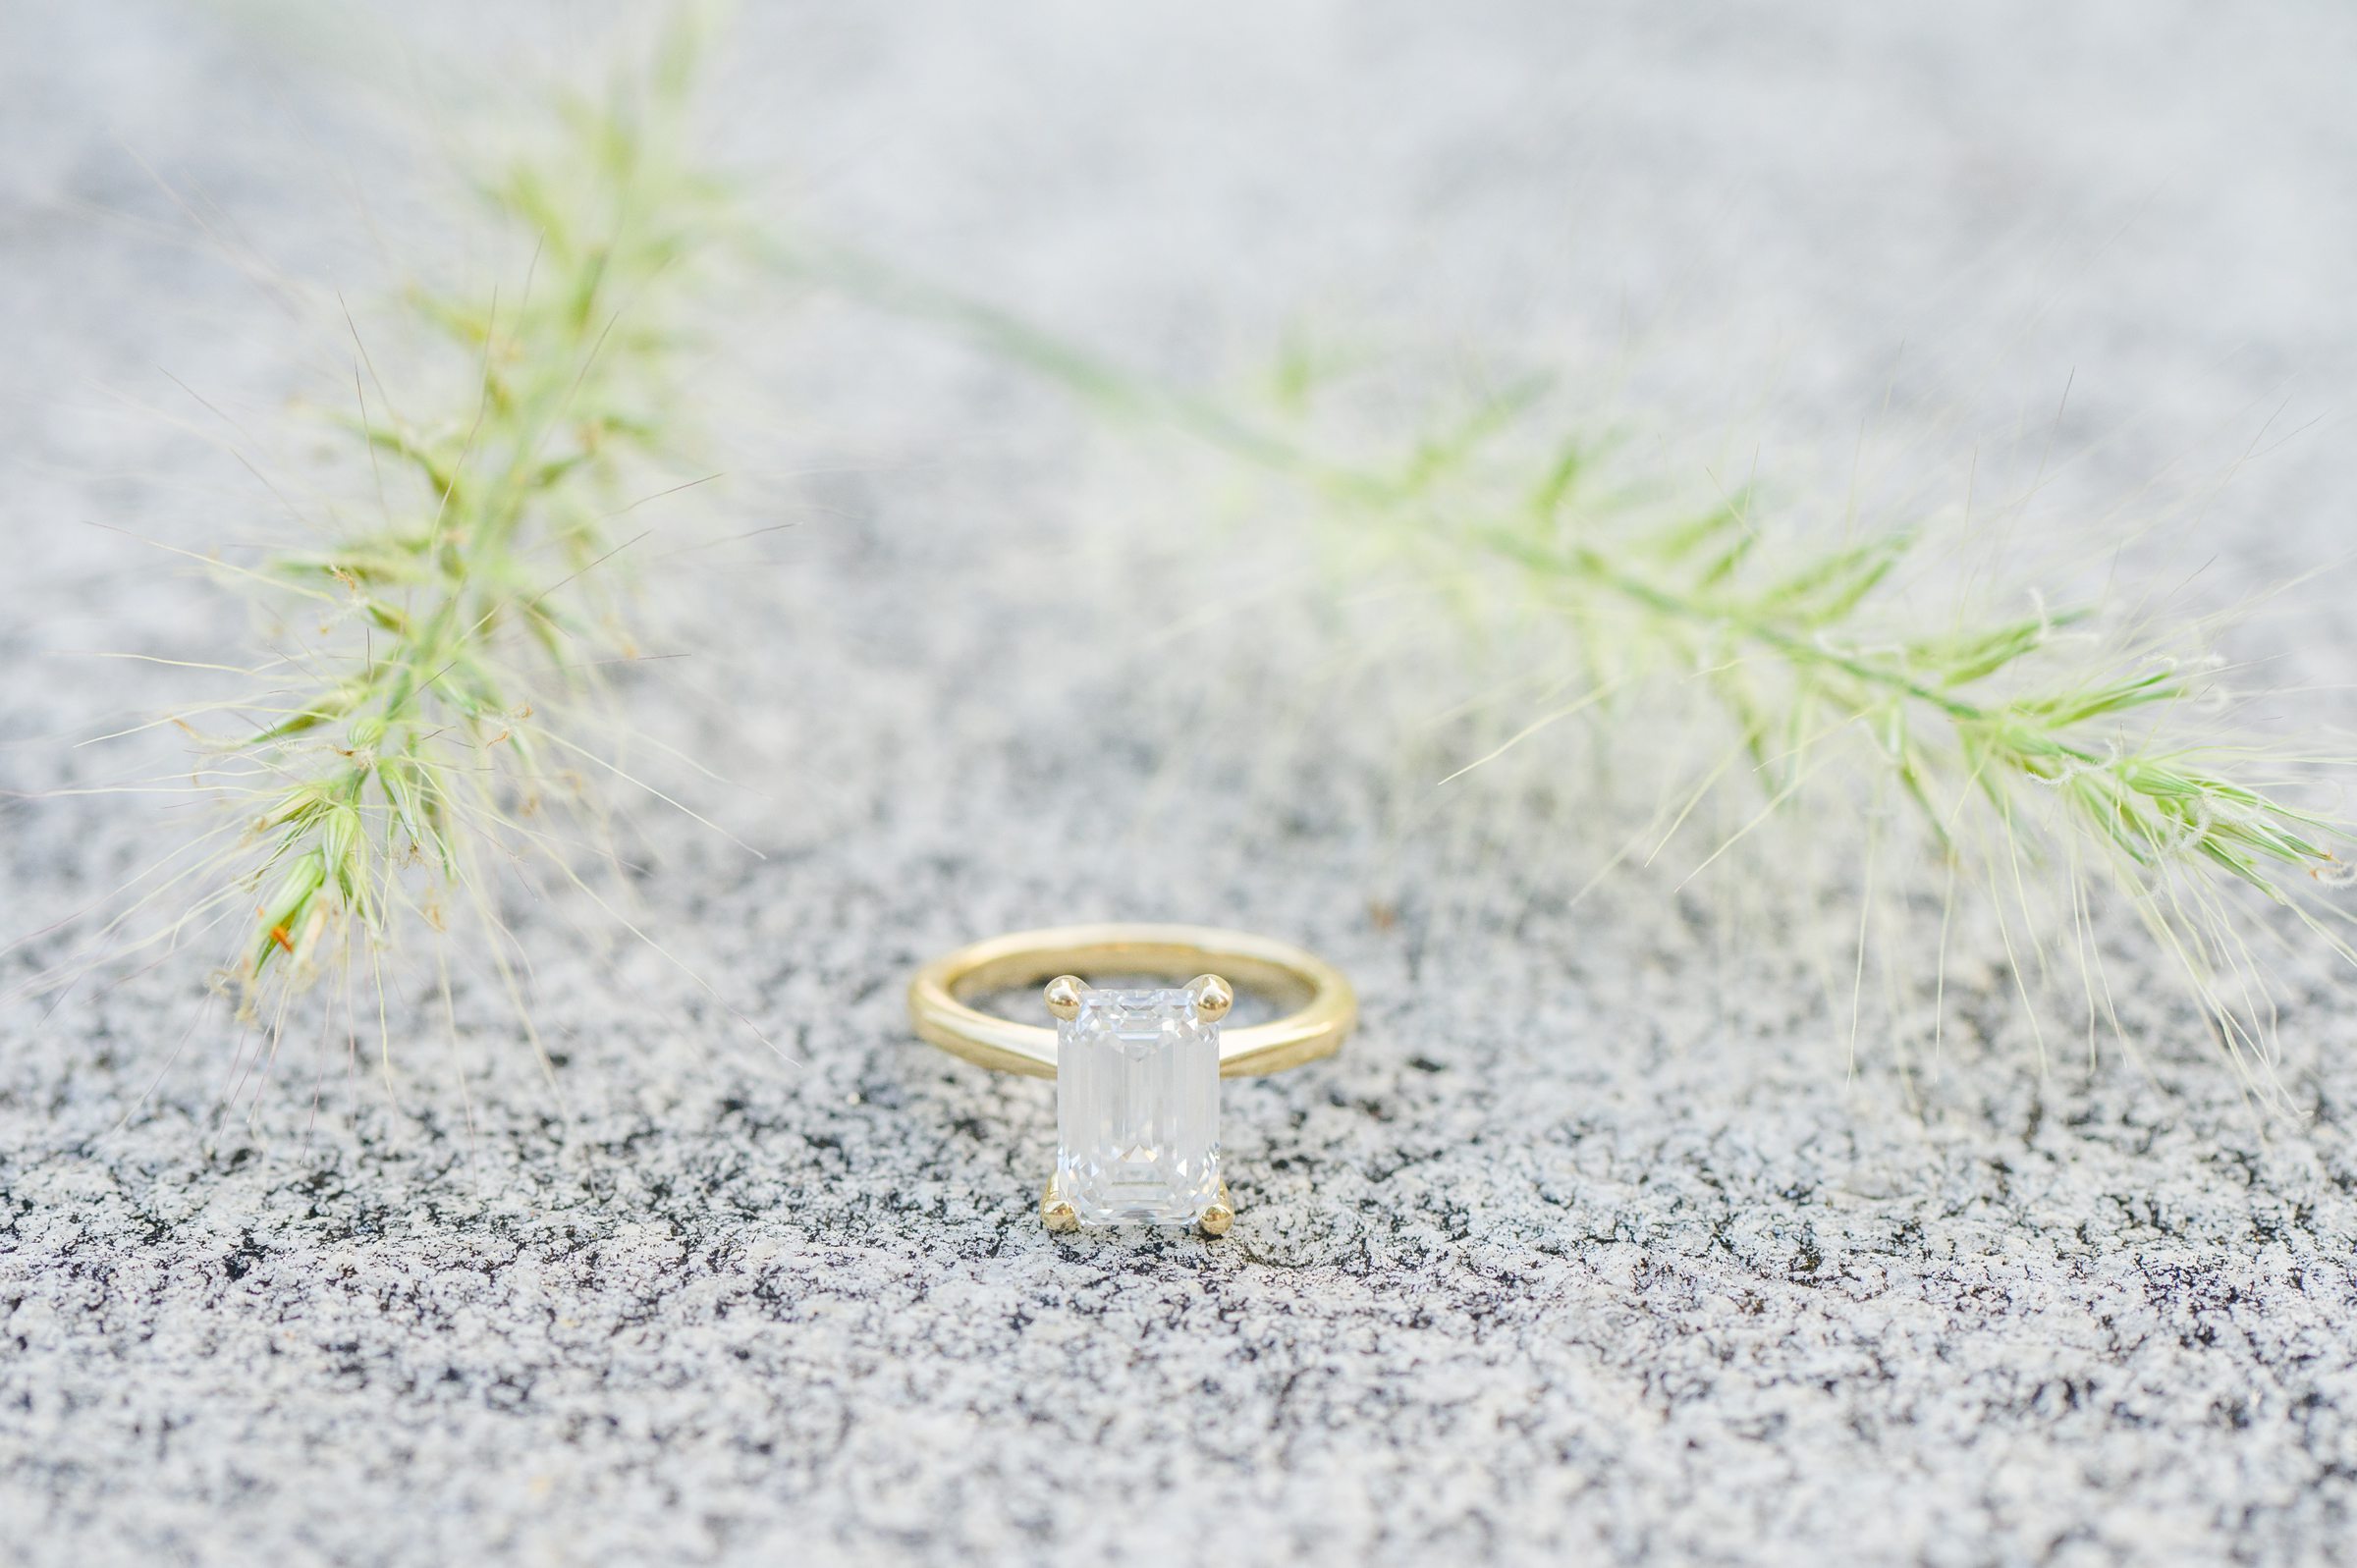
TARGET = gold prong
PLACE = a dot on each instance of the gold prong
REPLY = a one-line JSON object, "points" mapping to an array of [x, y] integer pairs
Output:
{"points": [[1064, 995], [1057, 1215], [1213, 998], [1220, 1215]]}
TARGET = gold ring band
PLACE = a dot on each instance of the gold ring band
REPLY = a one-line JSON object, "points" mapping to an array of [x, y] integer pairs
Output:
{"points": [[1325, 1011]]}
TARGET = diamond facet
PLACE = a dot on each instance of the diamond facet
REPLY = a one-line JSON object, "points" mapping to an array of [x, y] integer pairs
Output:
{"points": [[1137, 1107]]}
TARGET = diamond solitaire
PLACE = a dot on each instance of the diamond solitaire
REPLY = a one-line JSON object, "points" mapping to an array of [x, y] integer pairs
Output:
{"points": [[1137, 1072], [1137, 1105]]}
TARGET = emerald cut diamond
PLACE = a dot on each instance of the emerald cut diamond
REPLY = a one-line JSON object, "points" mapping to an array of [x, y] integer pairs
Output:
{"points": [[1137, 1106]]}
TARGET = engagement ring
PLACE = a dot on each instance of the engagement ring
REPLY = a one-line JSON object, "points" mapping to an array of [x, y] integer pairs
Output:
{"points": [[1137, 1071]]}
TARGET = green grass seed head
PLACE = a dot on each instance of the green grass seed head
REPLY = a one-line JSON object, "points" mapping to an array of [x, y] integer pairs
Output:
{"points": [[2040, 740], [405, 743]]}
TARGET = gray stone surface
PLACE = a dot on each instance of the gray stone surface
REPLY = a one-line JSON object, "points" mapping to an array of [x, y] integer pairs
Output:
{"points": [[1603, 1241]]}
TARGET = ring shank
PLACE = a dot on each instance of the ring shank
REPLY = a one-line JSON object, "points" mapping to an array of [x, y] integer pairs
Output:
{"points": [[1325, 1010]]}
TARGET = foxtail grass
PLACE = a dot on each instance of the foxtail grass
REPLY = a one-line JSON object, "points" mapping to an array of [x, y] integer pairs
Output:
{"points": [[2047, 745], [2050, 745], [431, 713]]}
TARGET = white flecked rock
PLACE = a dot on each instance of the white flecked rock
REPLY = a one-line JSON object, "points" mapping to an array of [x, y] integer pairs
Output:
{"points": [[1595, 1245]]}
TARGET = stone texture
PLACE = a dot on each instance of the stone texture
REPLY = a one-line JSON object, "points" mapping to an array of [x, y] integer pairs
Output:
{"points": [[1606, 1240]]}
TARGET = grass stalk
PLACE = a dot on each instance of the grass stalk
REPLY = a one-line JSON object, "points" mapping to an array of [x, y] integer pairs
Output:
{"points": [[2049, 735], [444, 660]]}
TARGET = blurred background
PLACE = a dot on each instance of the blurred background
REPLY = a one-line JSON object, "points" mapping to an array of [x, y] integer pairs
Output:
{"points": [[1609, 1234]]}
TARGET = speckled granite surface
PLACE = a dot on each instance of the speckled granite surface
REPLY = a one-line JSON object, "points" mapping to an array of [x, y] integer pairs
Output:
{"points": [[1596, 1246]]}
